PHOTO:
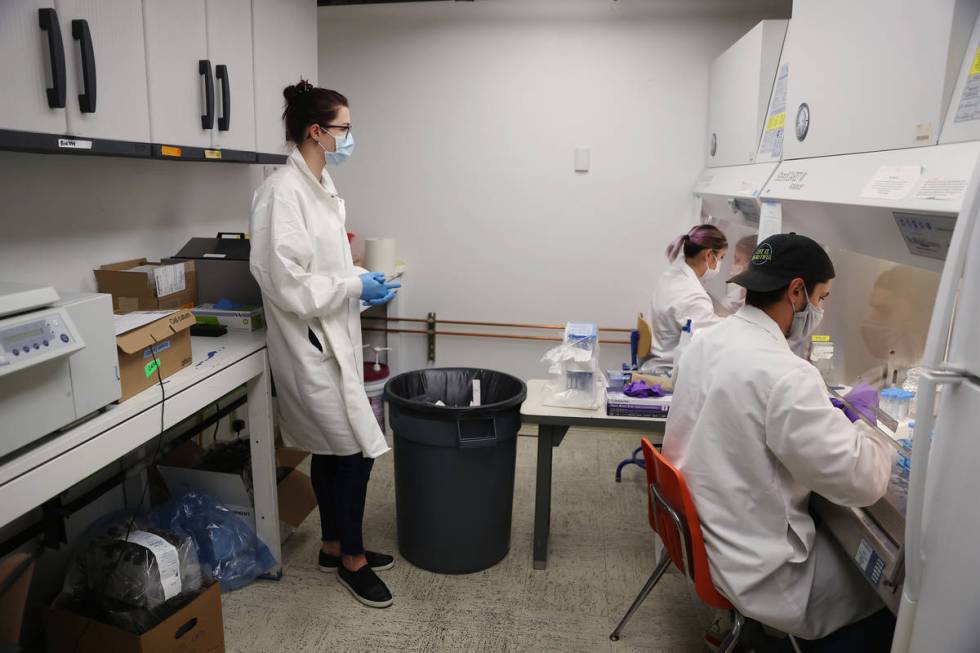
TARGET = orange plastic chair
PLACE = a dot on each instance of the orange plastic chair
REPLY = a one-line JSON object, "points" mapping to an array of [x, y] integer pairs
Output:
{"points": [[673, 517]]}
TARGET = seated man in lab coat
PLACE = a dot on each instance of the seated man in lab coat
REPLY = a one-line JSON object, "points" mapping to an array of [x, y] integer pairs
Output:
{"points": [[754, 433]]}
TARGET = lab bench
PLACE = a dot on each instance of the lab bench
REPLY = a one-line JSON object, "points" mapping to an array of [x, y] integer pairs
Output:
{"points": [[553, 423], [220, 365]]}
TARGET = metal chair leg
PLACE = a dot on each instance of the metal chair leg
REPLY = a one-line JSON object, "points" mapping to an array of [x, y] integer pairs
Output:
{"points": [[647, 588], [632, 460], [731, 639], [796, 646]]}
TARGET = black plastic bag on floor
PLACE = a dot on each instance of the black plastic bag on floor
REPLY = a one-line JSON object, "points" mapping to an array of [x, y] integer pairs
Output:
{"points": [[130, 574]]}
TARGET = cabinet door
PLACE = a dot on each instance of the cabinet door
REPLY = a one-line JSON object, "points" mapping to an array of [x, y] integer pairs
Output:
{"points": [[176, 44], [230, 46], [111, 55], [284, 47], [27, 69]]}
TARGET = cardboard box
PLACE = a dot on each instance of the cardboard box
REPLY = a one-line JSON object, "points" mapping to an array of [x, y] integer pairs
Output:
{"points": [[195, 628], [137, 291], [247, 318], [170, 338], [296, 498]]}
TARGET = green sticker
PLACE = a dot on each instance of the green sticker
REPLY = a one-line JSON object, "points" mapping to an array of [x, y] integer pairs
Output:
{"points": [[151, 367]]}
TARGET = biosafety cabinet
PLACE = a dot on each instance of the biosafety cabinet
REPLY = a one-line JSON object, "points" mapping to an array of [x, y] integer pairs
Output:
{"points": [[871, 75], [741, 82]]}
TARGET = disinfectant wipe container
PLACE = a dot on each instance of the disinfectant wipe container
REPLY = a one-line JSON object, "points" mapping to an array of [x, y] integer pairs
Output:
{"points": [[454, 465]]}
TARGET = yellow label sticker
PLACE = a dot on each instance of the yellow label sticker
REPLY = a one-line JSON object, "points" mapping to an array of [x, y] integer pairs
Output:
{"points": [[212, 154], [975, 68], [820, 339], [776, 121], [169, 150]]}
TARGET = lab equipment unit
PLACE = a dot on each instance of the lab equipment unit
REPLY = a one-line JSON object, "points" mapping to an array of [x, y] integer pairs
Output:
{"points": [[963, 116], [57, 361], [221, 265], [852, 68], [741, 82], [938, 607]]}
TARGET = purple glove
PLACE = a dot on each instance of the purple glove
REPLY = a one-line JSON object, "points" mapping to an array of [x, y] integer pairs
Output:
{"points": [[864, 399], [642, 389]]}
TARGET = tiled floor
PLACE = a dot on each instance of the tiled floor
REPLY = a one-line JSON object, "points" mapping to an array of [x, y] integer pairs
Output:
{"points": [[601, 552]]}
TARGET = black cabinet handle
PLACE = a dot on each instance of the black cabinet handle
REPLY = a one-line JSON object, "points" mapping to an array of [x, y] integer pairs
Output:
{"points": [[204, 68], [48, 19], [224, 120], [81, 33]]}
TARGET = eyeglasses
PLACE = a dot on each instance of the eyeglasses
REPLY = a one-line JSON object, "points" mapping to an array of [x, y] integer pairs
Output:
{"points": [[342, 129]]}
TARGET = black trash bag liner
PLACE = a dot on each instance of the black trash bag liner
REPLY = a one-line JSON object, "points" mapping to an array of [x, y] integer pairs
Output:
{"points": [[420, 390]]}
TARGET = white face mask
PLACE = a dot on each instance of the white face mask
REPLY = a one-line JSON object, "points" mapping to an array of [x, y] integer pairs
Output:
{"points": [[711, 272], [805, 321]]}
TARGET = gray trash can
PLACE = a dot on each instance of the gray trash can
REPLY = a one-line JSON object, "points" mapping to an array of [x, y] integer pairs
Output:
{"points": [[454, 466]]}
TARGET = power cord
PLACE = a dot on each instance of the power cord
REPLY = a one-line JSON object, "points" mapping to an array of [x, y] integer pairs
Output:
{"points": [[146, 486]]}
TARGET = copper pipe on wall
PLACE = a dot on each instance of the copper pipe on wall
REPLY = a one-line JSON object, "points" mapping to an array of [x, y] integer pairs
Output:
{"points": [[556, 327], [482, 335]]}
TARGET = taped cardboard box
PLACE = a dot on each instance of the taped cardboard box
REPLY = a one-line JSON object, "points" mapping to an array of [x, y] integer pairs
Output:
{"points": [[170, 340], [296, 499], [197, 627], [134, 285]]}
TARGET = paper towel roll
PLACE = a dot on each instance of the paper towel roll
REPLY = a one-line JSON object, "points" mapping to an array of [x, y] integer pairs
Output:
{"points": [[379, 255]]}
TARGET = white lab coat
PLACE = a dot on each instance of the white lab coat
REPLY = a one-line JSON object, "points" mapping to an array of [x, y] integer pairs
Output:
{"points": [[679, 296], [753, 431], [301, 259]]}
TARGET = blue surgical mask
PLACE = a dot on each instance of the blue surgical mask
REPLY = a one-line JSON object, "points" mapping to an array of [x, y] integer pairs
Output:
{"points": [[345, 147]]}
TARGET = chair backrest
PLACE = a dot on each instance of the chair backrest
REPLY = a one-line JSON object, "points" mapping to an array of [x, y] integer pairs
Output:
{"points": [[674, 518], [646, 336]]}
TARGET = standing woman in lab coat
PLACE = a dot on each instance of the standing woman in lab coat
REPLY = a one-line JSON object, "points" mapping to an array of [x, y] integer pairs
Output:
{"points": [[301, 259], [680, 295]]}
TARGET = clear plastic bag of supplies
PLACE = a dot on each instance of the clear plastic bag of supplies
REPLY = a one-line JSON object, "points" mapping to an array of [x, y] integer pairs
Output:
{"points": [[228, 547], [131, 574], [577, 380]]}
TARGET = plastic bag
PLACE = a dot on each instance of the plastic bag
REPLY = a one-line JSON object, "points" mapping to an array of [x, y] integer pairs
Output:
{"points": [[132, 581], [577, 380], [227, 546]]}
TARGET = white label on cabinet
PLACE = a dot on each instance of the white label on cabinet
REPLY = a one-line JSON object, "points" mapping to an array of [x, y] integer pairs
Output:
{"points": [[772, 135], [74, 144], [926, 235], [941, 188], [969, 108], [770, 219], [892, 182]]}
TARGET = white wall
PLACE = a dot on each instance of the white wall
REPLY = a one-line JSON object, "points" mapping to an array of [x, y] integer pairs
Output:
{"points": [[63, 216], [466, 117]]}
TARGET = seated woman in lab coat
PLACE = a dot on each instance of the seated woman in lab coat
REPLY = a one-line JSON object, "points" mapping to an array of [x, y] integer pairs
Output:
{"points": [[679, 295], [753, 432]]}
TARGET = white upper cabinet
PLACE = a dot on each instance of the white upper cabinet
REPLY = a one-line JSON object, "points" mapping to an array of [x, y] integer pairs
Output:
{"points": [[106, 82], [230, 52], [284, 49], [179, 74], [741, 83], [963, 118], [32, 67], [871, 75]]}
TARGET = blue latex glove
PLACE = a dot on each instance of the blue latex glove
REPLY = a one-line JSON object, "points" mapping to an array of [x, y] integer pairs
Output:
{"points": [[864, 398], [376, 290]]}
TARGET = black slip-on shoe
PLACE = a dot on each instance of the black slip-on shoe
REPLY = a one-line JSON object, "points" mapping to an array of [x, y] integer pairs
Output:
{"points": [[366, 587], [376, 561]]}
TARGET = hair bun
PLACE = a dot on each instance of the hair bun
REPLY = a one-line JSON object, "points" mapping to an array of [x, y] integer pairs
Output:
{"points": [[292, 93]]}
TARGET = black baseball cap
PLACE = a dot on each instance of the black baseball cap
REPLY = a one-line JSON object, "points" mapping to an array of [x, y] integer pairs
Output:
{"points": [[781, 258]]}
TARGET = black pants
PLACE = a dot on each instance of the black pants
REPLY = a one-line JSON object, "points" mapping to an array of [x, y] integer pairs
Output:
{"points": [[340, 484]]}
